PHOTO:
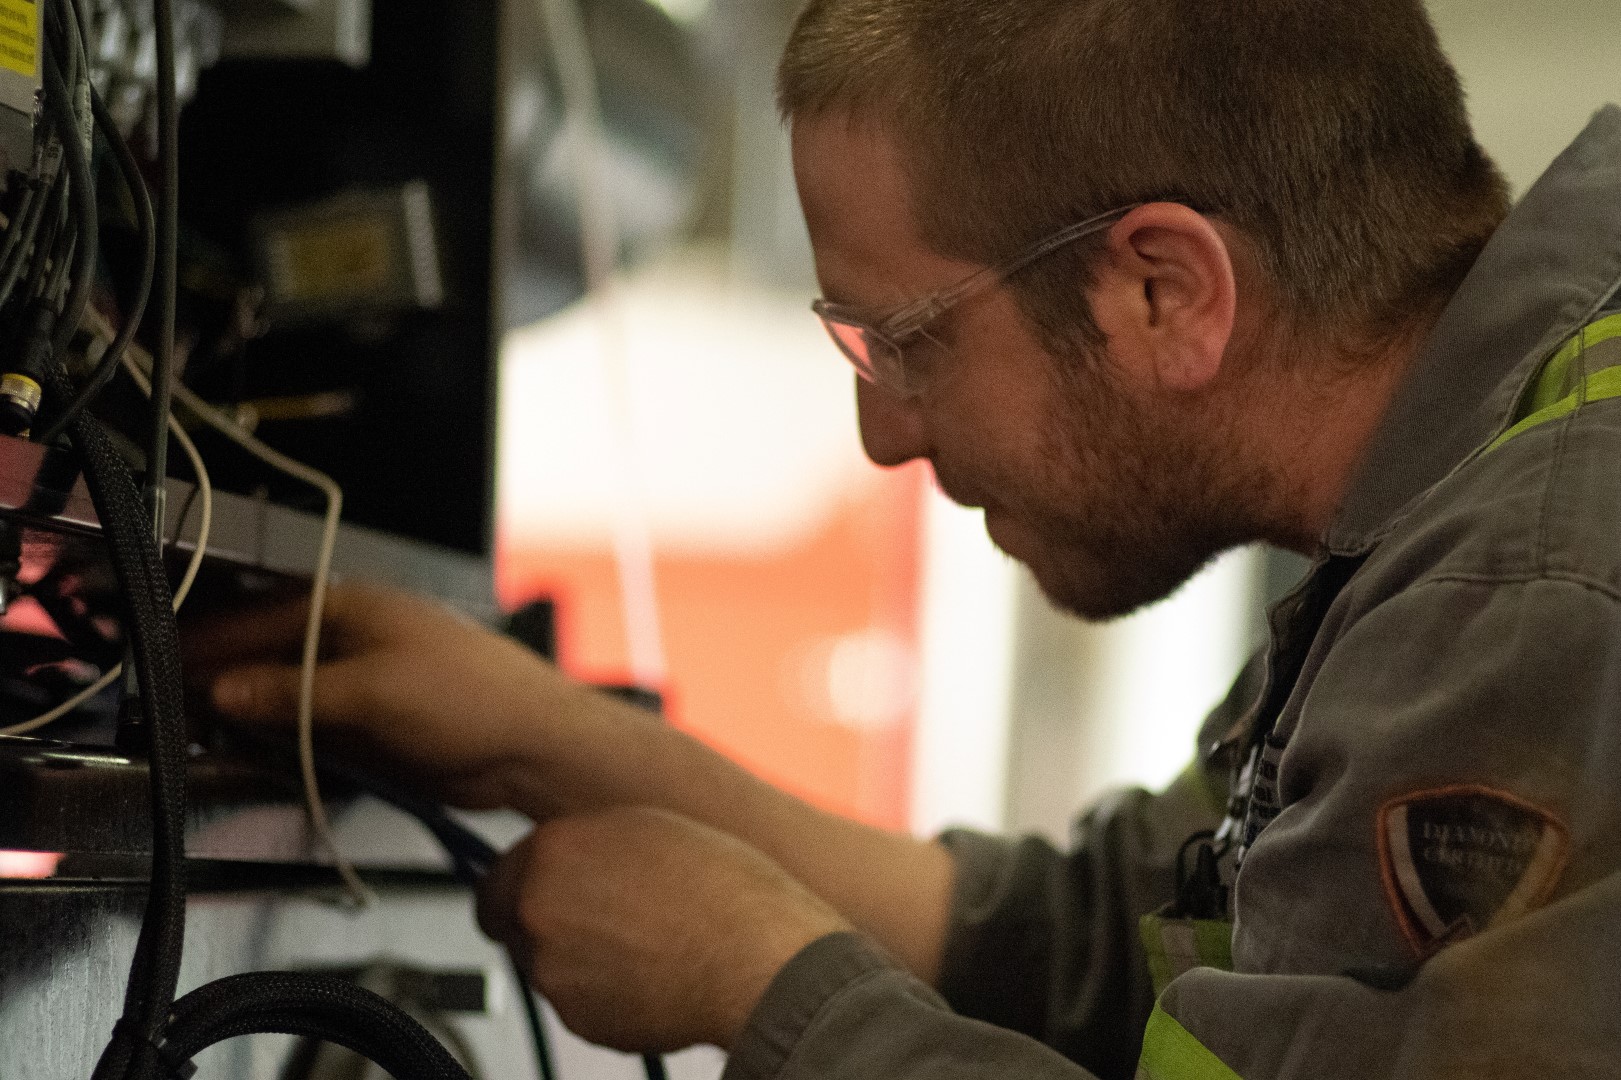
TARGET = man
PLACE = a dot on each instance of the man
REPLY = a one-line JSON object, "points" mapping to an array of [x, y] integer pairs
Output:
{"points": [[1192, 274]]}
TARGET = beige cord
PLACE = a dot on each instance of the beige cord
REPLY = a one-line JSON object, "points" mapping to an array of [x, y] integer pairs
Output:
{"points": [[205, 485], [138, 362], [358, 891]]}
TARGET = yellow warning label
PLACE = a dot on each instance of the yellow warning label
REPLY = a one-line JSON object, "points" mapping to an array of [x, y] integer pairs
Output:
{"points": [[353, 256], [19, 37]]}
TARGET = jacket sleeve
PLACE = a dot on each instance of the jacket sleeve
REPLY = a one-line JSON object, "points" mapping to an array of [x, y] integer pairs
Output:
{"points": [[1440, 895], [1042, 974], [1478, 940], [841, 1011], [1046, 943]]}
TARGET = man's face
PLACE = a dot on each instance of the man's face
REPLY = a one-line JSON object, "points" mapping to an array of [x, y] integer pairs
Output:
{"points": [[1082, 475]]}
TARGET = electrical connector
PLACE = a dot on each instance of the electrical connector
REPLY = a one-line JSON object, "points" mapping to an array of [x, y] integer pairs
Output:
{"points": [[21, 388]]}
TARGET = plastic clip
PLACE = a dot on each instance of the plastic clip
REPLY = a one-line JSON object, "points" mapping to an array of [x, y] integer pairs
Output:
{"points": [[173, 1068]]}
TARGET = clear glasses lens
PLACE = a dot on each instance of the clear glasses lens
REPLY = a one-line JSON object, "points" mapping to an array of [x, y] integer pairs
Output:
{"points": [[852, 341], [875, 359]]}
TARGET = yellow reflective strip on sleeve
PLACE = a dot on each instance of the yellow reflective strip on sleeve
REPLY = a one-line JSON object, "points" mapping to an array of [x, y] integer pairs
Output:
{"points": [[1559, 388], [1550, 384], [1554, 381], [1171, 1053], [1160, 968], [1601, 385], [1174, 947]]}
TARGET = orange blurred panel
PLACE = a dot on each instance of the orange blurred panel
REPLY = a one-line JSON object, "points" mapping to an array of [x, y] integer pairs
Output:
{"points": [[799, 664]]}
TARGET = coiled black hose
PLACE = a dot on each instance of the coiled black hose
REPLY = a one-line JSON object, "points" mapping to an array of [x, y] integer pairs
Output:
{"points": [[472, 858], [317, 1006], [156, 1035]]}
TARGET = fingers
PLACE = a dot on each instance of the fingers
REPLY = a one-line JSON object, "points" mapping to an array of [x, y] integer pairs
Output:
{"points": [[353, 614], [262, 631], [500, 893], [263, 693], [647, 930], [268, 693]]}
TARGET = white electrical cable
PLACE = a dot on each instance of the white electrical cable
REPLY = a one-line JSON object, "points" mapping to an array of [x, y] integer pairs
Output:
{"points": [[323, 571], [138, 363], [600, 239], [358, 891], [205, 526]]}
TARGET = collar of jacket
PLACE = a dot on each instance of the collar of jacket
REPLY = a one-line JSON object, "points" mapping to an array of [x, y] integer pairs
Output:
{"points": [[1549, 270]]}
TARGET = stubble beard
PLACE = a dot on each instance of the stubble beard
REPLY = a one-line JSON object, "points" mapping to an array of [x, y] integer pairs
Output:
{"points": [[1129, 509]]}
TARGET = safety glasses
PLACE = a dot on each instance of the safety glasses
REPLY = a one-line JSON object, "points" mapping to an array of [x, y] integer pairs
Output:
{"points": [[877, 349]]}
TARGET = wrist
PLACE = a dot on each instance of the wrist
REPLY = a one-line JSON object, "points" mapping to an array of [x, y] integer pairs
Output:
{"points": [[576, 750], [733, 1010]]}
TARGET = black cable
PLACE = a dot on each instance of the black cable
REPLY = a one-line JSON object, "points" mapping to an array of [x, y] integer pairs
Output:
{"points": [[535, 1022], [63, 261], [82, 186], [65, 24], [25, 231], [472, 857], [156, 1036], [69, 26], [149, 1043], [11, 250], [155, 644], [317, 1006], [163, 358], [53, 224], [135, 184], [82, 25]]}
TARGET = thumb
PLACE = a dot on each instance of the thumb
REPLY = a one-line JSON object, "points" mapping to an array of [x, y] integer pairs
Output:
{"points": [[260, 693]]}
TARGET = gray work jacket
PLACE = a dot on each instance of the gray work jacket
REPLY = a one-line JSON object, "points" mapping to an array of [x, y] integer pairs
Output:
{"points": [[1432, 882]]}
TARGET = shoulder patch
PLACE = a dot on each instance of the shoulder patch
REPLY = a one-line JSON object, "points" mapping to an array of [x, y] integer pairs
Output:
{"points": [[1457, 860]]}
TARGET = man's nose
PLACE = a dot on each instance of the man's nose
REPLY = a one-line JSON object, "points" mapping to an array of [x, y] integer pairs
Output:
{"points": [[892, 430]]}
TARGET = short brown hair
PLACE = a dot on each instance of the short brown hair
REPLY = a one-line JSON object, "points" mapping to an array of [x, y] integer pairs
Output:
{"points": [[1332, 133]]}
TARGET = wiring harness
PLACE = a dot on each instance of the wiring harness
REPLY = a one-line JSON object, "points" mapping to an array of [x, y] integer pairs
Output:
{"points": [[48, 263], [49, 258]]}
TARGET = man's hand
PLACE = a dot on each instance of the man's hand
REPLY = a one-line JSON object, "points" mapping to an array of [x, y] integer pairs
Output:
{"points": [[409, 688], [646, 931]]}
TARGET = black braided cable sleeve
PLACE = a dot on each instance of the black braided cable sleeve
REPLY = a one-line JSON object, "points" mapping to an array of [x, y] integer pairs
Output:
{"points": [[320, 1007], [155, 641], [316, 1006]]}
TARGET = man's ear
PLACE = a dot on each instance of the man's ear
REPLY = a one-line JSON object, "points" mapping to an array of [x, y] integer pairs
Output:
{"points": [[1166, 296]]}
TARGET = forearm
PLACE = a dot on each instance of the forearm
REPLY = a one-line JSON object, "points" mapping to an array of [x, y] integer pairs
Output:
{"points": [[895, 889]]}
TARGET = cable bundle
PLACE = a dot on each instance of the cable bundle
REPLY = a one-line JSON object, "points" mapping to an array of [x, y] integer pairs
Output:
{"points": [[318, 1006], [48, 263]]}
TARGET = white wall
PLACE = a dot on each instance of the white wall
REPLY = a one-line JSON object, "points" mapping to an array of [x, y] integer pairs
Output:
{"points": [[1534, 72]]}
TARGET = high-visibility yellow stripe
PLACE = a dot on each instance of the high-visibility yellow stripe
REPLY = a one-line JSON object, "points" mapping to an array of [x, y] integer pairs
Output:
{"points": [[1554, 394], [1171, 1053], [1174, 947], [1600, 386]]}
